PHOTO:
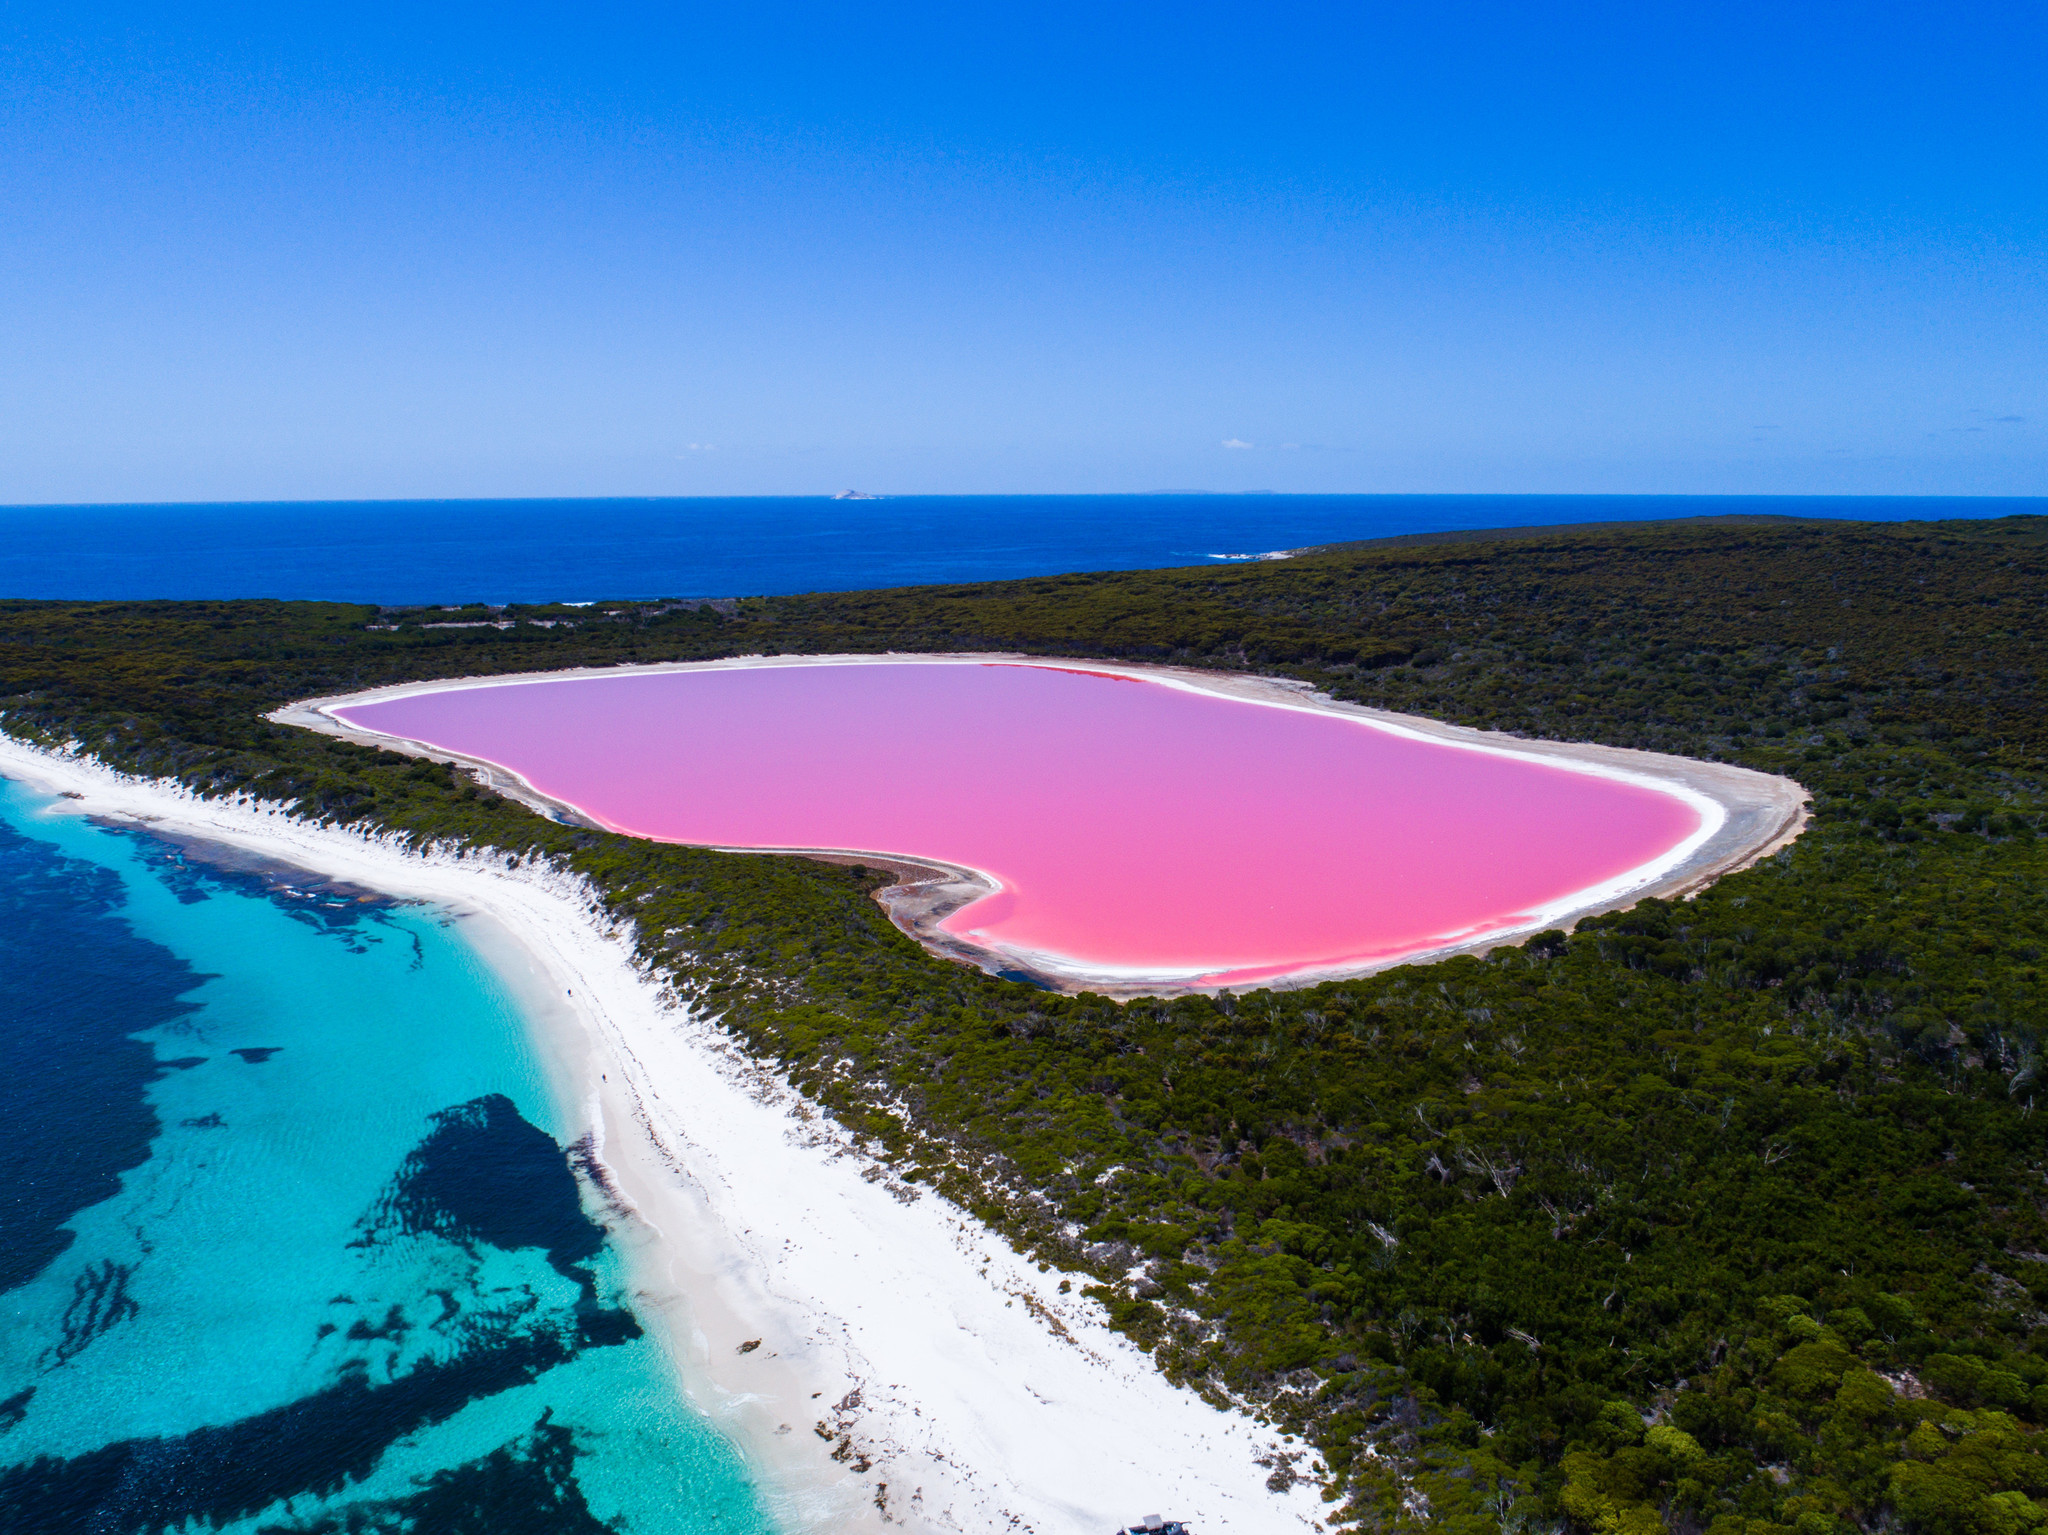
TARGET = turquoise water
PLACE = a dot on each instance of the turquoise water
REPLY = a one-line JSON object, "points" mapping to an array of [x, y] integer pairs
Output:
{"points": [[348, 1280]]}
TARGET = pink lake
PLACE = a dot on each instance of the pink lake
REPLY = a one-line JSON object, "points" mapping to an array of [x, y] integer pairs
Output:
{"points": [[1135, 828]]}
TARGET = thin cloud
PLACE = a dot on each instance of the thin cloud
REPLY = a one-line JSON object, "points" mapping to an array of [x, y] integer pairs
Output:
{"points": [[2010, 420], [1235, 442]]}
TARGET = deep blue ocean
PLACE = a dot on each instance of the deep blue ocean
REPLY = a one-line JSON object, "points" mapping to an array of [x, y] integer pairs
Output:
{"points": [[289, 1240], [402, 552]]}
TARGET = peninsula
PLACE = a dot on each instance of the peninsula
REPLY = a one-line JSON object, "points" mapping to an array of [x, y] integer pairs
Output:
{"points": [[1720, 1211]]}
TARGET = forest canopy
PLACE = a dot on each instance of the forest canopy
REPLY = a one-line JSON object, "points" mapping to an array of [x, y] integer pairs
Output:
{"points": [[1722, 1215]]}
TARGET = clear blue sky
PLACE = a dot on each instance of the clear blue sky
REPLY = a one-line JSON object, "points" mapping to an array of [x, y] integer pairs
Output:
{"points": [[443, 251]]}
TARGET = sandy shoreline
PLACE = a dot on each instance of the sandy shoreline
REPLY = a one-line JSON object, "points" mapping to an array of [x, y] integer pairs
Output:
{"points": [[911, 1371], [1744, 815]]}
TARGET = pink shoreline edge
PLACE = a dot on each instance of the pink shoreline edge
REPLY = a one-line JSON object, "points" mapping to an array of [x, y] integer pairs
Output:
{"points": [[1211, 737]]}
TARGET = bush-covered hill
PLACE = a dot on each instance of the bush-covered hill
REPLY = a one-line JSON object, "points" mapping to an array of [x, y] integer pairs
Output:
{"points": [[1728, 1215]]}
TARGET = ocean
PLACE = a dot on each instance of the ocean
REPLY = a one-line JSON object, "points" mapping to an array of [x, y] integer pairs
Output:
{"points": [[290, 1238], [403, 552]]}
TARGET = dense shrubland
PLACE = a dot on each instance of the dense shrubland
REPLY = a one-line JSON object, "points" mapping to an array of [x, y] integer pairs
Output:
{"points": [[1720, 1215]]}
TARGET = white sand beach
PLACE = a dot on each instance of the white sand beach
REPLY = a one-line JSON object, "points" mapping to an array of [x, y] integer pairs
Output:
{"points": [[907, 1369]]}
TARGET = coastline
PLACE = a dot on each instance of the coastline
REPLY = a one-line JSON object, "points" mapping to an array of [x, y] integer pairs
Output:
{"points": [[908, 1368], [1745, 815]]}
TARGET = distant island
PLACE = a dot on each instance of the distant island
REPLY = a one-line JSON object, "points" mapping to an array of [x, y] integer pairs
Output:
{"points": [[856, 495]]}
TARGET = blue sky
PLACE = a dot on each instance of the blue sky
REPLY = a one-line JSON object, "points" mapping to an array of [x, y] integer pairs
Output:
{"points": [[443, 251]]}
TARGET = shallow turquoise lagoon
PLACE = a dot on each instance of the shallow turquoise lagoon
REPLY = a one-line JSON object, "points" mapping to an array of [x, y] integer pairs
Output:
{"points": [[295, 1242]]}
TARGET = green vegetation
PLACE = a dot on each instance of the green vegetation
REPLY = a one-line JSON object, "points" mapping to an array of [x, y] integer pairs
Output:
{"points": [[1728, 1215]]}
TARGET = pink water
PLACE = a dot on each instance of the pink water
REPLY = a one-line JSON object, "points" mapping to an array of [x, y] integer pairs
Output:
{"points": [[1132, 826]]}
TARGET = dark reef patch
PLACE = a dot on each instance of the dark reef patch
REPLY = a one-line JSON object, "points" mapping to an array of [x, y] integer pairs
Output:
{"points": [[484, 1174], [256, 1055], [99, 1302], [527, 1487], [393, 1329], [318, 1444], [76, 984], [196, 870]]}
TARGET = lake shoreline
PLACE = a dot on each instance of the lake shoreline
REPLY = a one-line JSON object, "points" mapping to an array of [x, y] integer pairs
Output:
{"points": [[1744, 816]]}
